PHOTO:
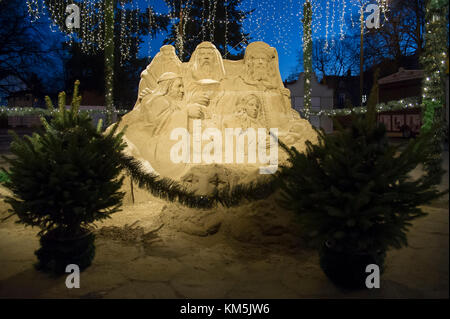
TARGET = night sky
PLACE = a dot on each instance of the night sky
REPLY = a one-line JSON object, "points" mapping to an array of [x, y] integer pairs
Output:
{"points": [[277, 22]]}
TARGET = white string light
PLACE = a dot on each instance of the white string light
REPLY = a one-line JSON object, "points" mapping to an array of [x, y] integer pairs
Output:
{"points": [[33, 10], [274, 20]]}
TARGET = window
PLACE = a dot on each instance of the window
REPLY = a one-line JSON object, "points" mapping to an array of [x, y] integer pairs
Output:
{"points": [[298, 102], [315, 102]]}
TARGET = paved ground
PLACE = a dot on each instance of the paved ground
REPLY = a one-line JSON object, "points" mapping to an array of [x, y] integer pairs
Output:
{"points": [[141, 254], [170, 264]]}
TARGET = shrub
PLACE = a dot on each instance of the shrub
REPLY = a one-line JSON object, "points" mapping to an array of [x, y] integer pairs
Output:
{"points": [[353, 191], [63, 179]]}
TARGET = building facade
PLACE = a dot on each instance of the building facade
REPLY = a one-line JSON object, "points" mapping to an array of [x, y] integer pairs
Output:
{"points": [[321, 99], [400, 85]]}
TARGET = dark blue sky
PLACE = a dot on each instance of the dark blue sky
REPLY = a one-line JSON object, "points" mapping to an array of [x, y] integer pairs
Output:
{"points": [[277, 22]]}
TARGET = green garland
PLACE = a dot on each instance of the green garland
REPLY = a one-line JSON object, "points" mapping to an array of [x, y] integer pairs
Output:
{"points": [[173, 191], [408, 103], [433, 86], [433, 61]]}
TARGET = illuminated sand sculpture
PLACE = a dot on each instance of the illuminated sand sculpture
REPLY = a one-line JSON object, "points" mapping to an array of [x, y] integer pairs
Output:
{"points": [[212, 122]]}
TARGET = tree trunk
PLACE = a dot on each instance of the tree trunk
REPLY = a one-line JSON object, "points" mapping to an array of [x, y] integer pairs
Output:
{"points": [[109, 59]]}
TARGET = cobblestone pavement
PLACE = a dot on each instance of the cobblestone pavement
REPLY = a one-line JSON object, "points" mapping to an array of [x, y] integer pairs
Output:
{"points": [[140, 256], [171, 264]]}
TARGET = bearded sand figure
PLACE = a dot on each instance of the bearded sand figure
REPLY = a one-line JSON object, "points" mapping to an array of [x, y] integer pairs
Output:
{"points": [[203, 75], [261, 66], [261, 77], [205, 63]]}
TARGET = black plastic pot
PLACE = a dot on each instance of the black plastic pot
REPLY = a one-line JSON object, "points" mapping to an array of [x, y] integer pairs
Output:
{"points": [[348, 270], [59, 250]]}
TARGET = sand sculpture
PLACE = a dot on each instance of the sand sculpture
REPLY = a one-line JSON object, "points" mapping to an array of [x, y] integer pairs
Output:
{"points": [[212, 122]]}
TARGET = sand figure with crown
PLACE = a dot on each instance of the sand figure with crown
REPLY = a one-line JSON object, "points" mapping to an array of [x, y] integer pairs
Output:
{"points": [[212, 122]]}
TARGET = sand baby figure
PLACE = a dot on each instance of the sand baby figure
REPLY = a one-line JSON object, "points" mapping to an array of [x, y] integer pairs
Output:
{"points": [[206, 179]]}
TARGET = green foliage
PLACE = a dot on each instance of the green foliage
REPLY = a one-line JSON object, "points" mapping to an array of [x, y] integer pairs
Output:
{"points": [[429, 114], [352, 189], [433, 86], [307, 56], [173, 191], [4, 177], [433, 62], [438, 4], [66, 176]]}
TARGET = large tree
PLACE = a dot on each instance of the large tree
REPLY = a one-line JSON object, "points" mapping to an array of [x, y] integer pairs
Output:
{"points": [[217, 21], [25, 49], [401, 33], [89, 69], [109, 27], [338, 60]]}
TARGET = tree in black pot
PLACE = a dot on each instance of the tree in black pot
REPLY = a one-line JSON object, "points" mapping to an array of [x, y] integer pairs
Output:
{"points": [[64, 179], [354, 196]]}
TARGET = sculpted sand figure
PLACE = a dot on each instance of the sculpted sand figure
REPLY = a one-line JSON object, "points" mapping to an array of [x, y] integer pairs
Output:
{"points": [[203, 75], [260, 77], [205, 180], [205, 63], [149, 126], [248, 113], [164, 61], [252, 99]]}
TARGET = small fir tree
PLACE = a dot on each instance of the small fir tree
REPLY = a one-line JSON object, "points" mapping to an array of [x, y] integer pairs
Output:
{"points": [[353, 190], [64, 179]]}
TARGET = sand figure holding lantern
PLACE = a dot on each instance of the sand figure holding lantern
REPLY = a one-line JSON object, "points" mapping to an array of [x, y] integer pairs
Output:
{"points": [[203, 75]]}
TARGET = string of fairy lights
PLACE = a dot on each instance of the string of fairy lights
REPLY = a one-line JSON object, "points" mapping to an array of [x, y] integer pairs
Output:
{"points": [[404, 104], [408, 103], [274, 20]]}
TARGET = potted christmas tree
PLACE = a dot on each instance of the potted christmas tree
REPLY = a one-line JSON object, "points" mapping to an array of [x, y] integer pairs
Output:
{"points": [[64, 179], [354, 196]]}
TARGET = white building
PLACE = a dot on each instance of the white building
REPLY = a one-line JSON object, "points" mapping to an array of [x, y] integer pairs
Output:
{"points": [[321, 99]]}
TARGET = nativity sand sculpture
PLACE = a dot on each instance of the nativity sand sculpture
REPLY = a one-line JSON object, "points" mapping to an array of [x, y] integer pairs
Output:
{"points": [[210, 122]]}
